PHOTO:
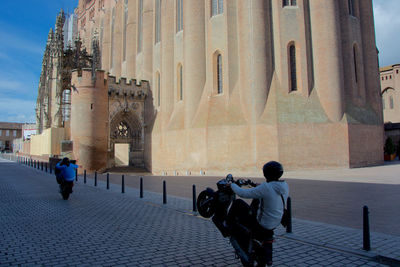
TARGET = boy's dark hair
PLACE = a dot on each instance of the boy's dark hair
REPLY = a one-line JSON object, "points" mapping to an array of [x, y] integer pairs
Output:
{"points": [[65, 161]]}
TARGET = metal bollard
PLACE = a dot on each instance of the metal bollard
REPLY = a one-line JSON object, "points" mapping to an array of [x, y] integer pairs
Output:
{"points": [[95, 178], [46, 166], [123, 184], [41, 165], [164, 193], [84, 176], [141, 187], [366, 235], [194, 199], [76, 174], [108, 180], [289, 208]]}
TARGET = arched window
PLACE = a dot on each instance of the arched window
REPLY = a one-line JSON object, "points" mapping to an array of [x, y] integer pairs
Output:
{"points": [[125, 26], [140, 26], [217, 7], [289, 3], [179, 15], [158, 22], [292, 68], [180, 82]]}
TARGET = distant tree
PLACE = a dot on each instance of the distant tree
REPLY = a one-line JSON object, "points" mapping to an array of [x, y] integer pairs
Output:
{"points": [[389, 148]]}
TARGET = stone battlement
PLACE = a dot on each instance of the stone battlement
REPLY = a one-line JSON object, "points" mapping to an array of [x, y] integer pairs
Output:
{"points": [[132, 88], [84, 77]]}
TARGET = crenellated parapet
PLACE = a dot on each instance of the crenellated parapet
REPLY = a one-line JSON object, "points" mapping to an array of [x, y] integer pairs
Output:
{"points": [[85, 78], [133, 89]]}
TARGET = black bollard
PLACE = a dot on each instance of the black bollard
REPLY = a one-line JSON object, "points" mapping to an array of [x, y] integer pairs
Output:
{"points": [[95, 178], [51, 168], [123, 184], [42, 165], [366, 235], [108, 180], [164, 193], [46, 166], [289, 209], [141, 187], [76, 174], [194, 199], [84, 176]]}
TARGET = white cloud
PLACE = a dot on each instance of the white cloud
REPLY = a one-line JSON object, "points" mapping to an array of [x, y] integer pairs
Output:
{"points": [[17, 110], [19, 42], [387, 25]]}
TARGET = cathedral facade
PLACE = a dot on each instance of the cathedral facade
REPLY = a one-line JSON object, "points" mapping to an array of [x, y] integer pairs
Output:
{"points": [[210, 86]]}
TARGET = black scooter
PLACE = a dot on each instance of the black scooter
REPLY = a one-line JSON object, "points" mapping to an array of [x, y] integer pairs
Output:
{"points": [[216, 204]]}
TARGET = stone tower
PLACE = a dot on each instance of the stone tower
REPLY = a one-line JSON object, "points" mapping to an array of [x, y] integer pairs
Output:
{"points": [[89, 118]]}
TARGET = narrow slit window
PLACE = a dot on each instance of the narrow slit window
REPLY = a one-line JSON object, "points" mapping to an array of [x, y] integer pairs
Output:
{"points": [[112, 37], [179, 15], [289, 3], [140, 26], [158, 89], [355, 63], [217, 7], [125, 26], [158, 21], [391, 102], [219, 74], [292, 68], [351, 7], [180, 82]]}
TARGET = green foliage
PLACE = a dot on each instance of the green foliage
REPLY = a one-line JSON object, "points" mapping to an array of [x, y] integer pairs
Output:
{"points": [[398, 149], [389, 148]]}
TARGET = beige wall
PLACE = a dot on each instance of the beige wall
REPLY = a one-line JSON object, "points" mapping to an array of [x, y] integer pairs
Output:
{"points": [[324, 124], [390, 81], [47, 143]]}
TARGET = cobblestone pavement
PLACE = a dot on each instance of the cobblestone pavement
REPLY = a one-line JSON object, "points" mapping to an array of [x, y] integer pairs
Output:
{"points": [[99, 227]]}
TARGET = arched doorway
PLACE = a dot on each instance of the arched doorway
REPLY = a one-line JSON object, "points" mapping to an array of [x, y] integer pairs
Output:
{"points": [[127, 139]]}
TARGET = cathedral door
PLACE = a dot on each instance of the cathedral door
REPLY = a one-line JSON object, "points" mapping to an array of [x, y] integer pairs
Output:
{"points": [[126, 137]]}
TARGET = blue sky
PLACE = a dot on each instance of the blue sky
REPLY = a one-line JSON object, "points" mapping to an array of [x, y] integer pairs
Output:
{"points": [[24, 26]]}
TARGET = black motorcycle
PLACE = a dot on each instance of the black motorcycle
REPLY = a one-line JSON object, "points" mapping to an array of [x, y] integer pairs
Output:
{"points": [[216, 204], [66, 189]]}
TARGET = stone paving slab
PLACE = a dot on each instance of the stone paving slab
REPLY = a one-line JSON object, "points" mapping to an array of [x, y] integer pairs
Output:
{"points": [[99, 227]]}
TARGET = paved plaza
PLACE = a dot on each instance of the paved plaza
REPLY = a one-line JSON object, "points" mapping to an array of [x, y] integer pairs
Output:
{"points": [[100, 227]]}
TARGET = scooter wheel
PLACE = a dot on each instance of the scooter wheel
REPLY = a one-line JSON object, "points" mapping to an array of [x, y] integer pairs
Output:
{"points": [[205, 204]]}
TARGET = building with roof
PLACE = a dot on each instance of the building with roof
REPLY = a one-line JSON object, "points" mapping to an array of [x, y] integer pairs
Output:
{"points": [[210, 86], [9, 131]]}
